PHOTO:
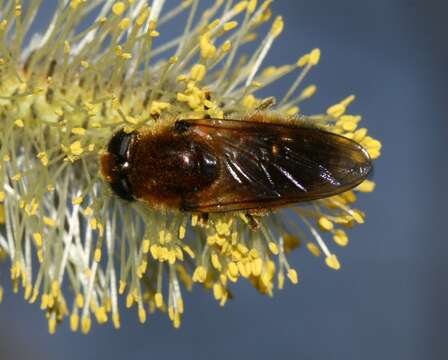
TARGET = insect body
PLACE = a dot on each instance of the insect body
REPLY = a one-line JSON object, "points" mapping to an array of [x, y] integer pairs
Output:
{"points": [[217, 165]]}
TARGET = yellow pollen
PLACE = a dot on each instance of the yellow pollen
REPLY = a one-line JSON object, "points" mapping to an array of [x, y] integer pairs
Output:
{"points": [[97, 255], [158, 106], [336, 110], [55, 288], [86, 324], [141, 19], [253, 253], [38, 239], [76, 148], [358, 217], [215, 261], [249, 101], [208, 50], [332, 262], [145, 246], [366, 186], [199, 274], [188, 250], [158, 298], [18, 10], [116, 320], [52, 325], [251, 6], [179, 253], [313, 249], [182, 232], [142, 315], [277, 26], [129, 300], [250, 37], [176, 321], [233, 269], [126, 56], [303, 60], [122, 287], [79, 300], [74, 322], [43, 157], [308, 91], [325, 224], [359, 135], [93, 223], [274, 248], [77, 200], [217, 291], [241, 6], [118, 8], [171, 312], [78, 131], [171, 257], [230, 25], [292, 276], [348, 100], [214, 24], [223, 228], [75, 3], [124, 24], [340, 237], [314, 57], [198, 72], [349, 196], [257, 267], [226, 46]]}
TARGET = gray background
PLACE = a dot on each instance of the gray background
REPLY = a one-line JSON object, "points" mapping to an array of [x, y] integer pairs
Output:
{"points": [[389, 299]]}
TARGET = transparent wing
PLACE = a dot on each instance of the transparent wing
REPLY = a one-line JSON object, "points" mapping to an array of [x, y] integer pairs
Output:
{"points": [[266, 165]]}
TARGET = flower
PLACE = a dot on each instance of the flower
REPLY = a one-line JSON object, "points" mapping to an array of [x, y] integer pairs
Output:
{"points": [[74, 246]]}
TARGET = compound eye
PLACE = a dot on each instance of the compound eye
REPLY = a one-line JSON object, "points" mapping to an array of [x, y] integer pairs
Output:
{"points": [[119, 144], [122, 188]]}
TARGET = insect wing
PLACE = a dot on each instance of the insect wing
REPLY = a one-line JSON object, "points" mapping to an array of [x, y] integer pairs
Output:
{"points": [[266, 165]]}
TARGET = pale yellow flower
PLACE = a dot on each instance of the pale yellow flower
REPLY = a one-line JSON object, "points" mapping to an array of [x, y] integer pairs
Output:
{"points": [[73, 246]]}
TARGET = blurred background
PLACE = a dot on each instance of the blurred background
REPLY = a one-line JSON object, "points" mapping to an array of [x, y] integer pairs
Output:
{"points": [[389, 300]]}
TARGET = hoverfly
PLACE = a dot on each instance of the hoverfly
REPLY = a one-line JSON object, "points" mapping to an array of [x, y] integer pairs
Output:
{"points": [[219, 165]]}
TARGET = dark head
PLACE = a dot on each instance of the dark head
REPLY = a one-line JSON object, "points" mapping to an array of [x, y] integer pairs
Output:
{"points": [[115, 162]]}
